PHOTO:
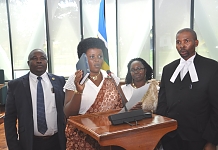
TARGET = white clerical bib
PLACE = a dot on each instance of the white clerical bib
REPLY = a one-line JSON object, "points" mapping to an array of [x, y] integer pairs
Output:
{"points": [[183, 68]]}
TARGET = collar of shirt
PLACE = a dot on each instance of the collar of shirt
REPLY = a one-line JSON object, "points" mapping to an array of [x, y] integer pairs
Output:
{"points": [[34, 77]]}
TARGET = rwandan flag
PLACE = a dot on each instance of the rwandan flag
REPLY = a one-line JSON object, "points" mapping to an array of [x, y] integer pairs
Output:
{"points": [[102, 34]]}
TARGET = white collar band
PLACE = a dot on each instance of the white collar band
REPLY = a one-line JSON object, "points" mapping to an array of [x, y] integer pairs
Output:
{"points": [[189, 66]]}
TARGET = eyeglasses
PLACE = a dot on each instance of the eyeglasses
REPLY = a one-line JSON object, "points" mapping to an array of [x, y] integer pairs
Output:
{"points": [[136, 69]]}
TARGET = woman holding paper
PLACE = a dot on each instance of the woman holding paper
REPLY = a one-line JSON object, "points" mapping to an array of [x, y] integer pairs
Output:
{"points": [[140, 85], [90, 97]]}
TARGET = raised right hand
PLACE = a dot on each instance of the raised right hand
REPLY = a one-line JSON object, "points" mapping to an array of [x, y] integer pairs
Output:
{"points": [[78, 77]]}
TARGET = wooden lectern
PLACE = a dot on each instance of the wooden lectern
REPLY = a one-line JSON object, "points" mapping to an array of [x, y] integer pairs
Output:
{"points": [[145, 135]]}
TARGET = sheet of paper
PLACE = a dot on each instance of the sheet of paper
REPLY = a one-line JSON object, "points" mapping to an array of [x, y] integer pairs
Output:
{"points": [[136, 97]]}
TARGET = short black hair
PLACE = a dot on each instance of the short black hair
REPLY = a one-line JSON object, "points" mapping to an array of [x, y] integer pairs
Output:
{"points": [[149, 70], [189, 30], [88, 43], [34, 50]]}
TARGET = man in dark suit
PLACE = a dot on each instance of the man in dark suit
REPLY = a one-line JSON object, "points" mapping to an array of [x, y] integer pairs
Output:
{"points": [[189, 94], [22, 108]]}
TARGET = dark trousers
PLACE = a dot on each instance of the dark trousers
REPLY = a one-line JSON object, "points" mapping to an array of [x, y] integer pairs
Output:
{"points": [[176, 143], [46, 143]]}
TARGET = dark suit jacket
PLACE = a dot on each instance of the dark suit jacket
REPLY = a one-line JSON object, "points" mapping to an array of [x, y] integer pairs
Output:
{"points": [[19, 108], [193, 105]]}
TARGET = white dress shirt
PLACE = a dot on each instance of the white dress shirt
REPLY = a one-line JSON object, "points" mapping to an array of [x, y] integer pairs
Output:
{"points": [[50, 105]]}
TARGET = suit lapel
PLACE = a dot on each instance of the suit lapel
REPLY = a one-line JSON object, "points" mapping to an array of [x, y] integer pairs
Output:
{"points": [[55, 87], [196, 62], [26, 85], [53, 81]]}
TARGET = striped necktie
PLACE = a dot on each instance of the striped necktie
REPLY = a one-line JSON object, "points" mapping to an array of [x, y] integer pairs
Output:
{"points": [[41, 120]]}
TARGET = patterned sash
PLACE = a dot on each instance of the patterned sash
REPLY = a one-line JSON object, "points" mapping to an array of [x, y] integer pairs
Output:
{"points": [[108, 98]]}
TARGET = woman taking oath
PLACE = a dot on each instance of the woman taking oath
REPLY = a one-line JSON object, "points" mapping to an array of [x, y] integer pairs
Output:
{"points": [[97, 94]]}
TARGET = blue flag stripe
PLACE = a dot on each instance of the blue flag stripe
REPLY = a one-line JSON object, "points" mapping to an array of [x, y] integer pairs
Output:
{"points": [[102, 33]]}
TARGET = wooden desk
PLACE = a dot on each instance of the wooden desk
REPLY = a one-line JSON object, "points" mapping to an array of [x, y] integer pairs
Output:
{"points": [[144, 136]]}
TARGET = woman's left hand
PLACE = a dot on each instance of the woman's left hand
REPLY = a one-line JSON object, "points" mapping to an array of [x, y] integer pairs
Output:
{"points": [[137, 106]]}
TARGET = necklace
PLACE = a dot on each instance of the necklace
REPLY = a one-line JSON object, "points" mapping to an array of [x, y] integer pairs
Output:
{"points": [[133, 85], [95, 77]]}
